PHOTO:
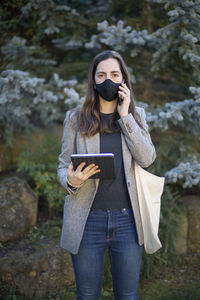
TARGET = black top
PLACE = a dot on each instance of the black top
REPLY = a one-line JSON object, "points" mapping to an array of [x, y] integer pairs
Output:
{"points": [[112, 193]]}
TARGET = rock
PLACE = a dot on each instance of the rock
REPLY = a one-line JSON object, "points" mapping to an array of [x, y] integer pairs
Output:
{"points": [[181, 240], [36, 271], [18, 208], [192, 204]]}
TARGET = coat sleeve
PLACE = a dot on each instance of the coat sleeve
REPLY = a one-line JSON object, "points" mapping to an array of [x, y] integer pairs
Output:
{"points": [[138, 140], [68, 148]]}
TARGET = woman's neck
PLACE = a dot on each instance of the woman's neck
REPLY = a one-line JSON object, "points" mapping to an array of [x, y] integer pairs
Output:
{"points": [[107, 107]]}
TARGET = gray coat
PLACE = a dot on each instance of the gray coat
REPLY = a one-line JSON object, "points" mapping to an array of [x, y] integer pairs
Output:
{"points": [[136, 145]]}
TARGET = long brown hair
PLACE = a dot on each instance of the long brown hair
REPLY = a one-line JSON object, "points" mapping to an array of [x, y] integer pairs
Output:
{"points": [[88, 117]]}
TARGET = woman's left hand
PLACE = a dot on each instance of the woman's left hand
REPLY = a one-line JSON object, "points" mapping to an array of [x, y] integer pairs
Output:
{"points": [[124, 92]]}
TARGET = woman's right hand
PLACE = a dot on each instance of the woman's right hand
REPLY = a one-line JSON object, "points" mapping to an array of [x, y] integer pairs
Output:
{"points": [[78, 176]]}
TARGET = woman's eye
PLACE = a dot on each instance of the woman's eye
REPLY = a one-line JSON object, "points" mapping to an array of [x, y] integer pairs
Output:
{"points": [[116, 75]]}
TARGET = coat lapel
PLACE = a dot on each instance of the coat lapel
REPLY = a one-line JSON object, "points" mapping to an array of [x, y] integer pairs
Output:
{"points": [[127, 158], [93, 146]]}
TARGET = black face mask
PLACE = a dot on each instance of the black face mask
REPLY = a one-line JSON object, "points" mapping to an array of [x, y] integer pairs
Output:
{"points": [[108, 89]]}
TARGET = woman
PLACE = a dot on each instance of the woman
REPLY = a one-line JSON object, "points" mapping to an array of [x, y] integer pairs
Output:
{"points": [[100, 214]]}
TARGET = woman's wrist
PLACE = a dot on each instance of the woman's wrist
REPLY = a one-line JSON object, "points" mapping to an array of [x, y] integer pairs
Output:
{"points": [[74, 185], [123, 114]]}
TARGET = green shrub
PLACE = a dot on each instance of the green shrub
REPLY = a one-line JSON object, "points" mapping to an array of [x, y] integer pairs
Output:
{"points": [[167, 255], [39, 158]]}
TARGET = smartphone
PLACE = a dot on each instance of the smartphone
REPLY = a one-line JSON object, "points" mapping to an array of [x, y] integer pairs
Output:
{"points": [[120, 98]]}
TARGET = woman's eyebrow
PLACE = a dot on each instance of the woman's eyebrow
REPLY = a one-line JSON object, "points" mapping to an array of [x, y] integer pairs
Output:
{"points": [[101, 72]]}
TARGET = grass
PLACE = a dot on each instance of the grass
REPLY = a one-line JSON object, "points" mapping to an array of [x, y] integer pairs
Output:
{"points": [[175, 281], [164, 290]]}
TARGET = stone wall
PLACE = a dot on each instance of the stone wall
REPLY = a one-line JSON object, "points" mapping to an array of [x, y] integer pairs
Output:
{"points": [[189, 226], [36, 270], [18, 208]]}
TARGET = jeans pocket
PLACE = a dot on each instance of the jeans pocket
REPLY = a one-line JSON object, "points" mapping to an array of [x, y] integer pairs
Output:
{"points": [[127, 212]]}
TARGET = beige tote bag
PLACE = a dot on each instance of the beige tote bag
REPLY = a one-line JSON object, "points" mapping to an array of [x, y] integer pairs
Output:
{"points": [[149, 189]]}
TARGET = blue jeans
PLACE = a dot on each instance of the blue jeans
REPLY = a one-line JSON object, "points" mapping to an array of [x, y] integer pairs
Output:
{"points": [[116, 230]]}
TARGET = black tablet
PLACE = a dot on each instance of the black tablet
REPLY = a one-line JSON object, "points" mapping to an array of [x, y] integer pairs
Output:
{"points": [[105, 161]]}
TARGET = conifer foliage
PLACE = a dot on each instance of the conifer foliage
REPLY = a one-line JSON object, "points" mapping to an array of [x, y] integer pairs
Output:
{"points": [[119, 37], [46, 47], [179, 41]]}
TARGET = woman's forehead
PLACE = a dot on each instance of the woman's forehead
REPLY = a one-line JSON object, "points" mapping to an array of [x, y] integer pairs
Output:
{"points": [[108, 65]]}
